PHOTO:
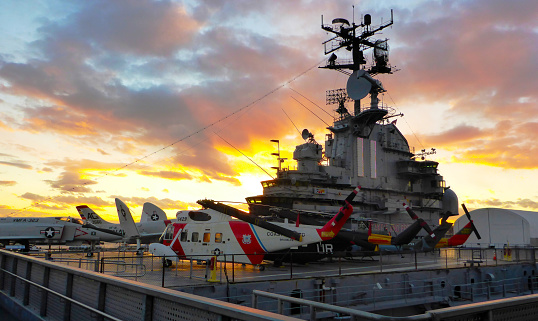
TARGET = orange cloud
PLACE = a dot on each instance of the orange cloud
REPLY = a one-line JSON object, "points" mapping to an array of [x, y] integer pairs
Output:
{"points": [[527, 204], [172, 175], [509, 144]]}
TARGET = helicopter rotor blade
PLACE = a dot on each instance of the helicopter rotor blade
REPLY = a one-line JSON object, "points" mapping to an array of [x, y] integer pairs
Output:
{"points": [[423, 223], [473, 227], [232, 211]]}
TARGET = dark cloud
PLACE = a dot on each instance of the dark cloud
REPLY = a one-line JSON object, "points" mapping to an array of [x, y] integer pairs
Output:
{"points": [[164, 204], [143, 77], [61, 202], [33, 197], [71, 183], [73, 201], [172, 175], [462, 133], [139, 28], [16, 164], [507, 145], [478, 59]]}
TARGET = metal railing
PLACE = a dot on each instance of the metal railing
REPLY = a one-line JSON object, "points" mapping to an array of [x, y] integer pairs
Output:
{"points": [[508, 309], [26, 296], [143, 268], [56, 292]]}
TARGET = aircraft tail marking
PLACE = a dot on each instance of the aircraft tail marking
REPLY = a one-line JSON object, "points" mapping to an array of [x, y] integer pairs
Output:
{"points": [[126, 219], [89, 216], [152, 213]]}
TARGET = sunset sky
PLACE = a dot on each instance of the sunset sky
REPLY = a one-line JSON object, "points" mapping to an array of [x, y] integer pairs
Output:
{"points": [[138, 99]]}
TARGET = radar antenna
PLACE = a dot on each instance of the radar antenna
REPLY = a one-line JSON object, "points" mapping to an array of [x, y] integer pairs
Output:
{"points": [[357, 38], [308, 136], [357, 41], [340, 97]]}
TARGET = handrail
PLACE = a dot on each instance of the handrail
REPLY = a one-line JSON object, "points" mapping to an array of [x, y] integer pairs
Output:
{"points": [[175, 300], [101, 313], [361, 315]]}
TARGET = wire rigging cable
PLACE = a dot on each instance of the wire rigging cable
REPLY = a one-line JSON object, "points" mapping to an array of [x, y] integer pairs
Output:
{"points": [[250, 159], [179, 140]]}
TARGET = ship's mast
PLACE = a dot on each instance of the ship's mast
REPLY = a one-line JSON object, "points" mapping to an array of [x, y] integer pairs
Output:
{"points": [[357, 38]]}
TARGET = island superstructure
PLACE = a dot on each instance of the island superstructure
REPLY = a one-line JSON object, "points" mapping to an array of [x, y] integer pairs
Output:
{"points": [[363, 147]]}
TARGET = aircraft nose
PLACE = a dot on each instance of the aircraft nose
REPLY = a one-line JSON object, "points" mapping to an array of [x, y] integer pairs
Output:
{"points": [[153, 248]]}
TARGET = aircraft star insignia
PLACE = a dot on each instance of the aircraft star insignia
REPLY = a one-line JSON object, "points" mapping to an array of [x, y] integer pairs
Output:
{"points": [[154, 217], [49, 232]]}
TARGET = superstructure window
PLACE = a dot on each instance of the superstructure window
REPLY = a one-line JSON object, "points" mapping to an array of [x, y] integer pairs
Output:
{"points": [[218, 237], [194, 237], [207, 237], [438, 183]]}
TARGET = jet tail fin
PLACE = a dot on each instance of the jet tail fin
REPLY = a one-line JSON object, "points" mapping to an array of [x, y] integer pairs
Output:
{"points": [[151, 213], [126, 220], [89, 216]]}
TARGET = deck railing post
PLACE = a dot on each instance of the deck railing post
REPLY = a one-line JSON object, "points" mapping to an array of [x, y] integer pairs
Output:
{"points": [[254, 300], [102, 300], [26, 299], [69, 294], [3, 267], [164, 268], [13, 280], [44, 294], [291, 265], [148, 308], [312, 313], [380, 260]]}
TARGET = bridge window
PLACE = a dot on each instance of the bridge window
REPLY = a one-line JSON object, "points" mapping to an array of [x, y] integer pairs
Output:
{"points": [[218, 237], [441, 183], [207, 237], [194, 237], [183, 236]]}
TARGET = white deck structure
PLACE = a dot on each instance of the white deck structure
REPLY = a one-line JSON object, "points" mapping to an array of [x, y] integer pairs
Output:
{"points": [[499, 226]]}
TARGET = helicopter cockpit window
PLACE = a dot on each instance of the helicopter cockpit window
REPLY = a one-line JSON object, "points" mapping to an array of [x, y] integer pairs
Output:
{"points": [[169, 232]]}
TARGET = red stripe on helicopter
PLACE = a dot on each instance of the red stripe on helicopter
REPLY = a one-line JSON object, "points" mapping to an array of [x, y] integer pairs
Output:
{"points": [[176, 245], [246, 238], [462, 236]]}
